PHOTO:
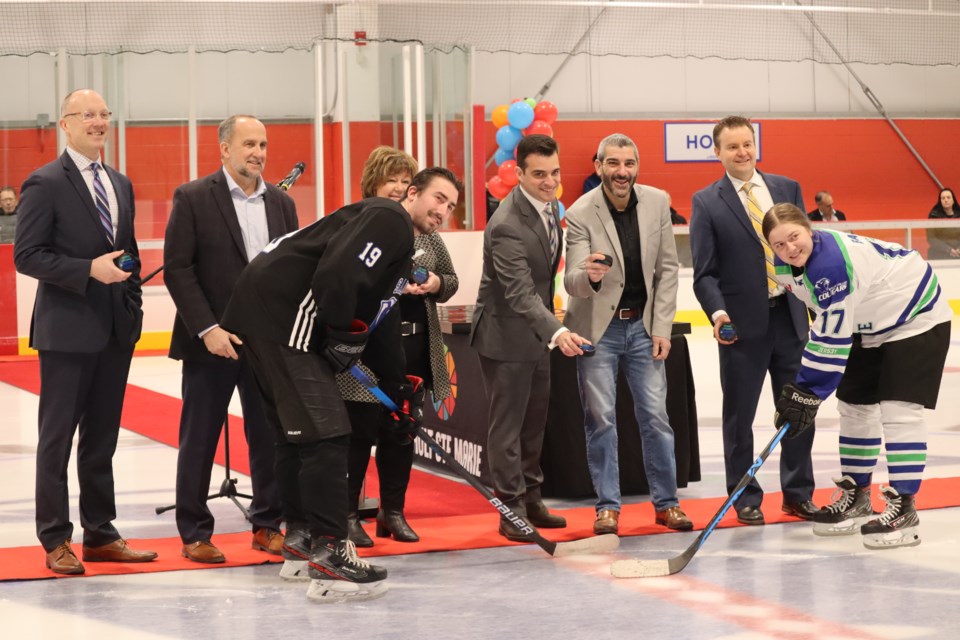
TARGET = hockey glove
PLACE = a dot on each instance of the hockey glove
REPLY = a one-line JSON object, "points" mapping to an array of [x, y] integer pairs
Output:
{"points": [[409, 398], [343, 348], [798, 407]]}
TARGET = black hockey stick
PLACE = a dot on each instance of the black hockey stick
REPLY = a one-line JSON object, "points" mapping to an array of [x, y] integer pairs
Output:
{"points": [[636, 568], [597, 544]]}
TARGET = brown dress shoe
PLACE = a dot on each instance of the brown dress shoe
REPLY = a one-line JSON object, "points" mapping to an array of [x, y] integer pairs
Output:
{"points": [[674, 518], [269, 540], [608, 521], [202, 551], [116, 551], [62, 560]]}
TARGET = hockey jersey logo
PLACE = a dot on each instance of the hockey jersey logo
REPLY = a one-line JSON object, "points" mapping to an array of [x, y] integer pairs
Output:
{"points": [[824, 289]]}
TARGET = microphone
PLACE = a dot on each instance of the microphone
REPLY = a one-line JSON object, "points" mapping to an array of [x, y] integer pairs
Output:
{"points": [[292, 177]]}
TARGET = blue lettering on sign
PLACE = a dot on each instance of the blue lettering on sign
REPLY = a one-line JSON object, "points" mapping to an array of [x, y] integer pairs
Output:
{"points": [[702, 142], [691, 142]]}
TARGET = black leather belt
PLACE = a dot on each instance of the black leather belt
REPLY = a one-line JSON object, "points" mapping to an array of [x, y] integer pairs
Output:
{"points": [[626, 314], [412, 328]]}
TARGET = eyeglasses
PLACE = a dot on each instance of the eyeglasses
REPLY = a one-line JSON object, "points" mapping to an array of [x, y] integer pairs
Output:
{"points": [[90, 116]]}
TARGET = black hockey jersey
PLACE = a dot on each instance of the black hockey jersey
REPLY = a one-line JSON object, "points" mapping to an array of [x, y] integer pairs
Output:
{"points": [[346, 265]]}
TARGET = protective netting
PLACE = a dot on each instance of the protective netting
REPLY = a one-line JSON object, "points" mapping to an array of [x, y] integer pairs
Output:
{"points": [[919, 32]]}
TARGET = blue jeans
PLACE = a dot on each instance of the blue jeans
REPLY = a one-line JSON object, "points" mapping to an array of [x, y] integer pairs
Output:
{"points": [[626, 343]]}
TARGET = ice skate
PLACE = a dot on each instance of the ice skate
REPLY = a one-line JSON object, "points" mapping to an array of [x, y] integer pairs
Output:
{"points": [[897, 526], [850, 508], [337, 574], [296, 554]]}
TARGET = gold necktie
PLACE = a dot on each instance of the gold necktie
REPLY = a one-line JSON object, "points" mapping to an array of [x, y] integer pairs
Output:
{"points": [[756, 219]]}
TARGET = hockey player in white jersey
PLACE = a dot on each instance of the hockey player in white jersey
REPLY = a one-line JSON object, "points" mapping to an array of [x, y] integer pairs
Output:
{"points": [[880, 340]]}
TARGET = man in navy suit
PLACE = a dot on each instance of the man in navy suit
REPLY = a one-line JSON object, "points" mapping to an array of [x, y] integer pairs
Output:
{"points": [[76, 218], [218, 224], [731, 282]]}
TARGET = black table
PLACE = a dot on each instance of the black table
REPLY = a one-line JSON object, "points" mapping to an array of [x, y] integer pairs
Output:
{"points": [[459, 424]]}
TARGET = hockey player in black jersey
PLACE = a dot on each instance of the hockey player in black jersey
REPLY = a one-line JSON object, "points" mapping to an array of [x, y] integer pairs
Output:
{"points": [[302, 308]]}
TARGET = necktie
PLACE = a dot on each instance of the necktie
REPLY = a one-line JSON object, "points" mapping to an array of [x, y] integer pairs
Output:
{"points": [[756, 219], [100, 199], [551, 230]]}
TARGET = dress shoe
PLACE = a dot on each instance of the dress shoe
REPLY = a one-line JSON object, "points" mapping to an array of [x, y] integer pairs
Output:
{"points": [[804, 510], [202, 551], [116, 551], [355, 532], [608, 521], [393, 523], [674, 518], [539, 516], [750, 515], [512, 532], [62, 560], [269, 540]]}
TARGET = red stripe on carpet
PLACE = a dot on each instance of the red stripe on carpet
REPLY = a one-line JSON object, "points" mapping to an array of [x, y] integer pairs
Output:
{"points": [[449, 533]]}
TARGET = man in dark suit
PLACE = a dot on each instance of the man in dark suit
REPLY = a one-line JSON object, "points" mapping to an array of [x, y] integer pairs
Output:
{"points": [[825, 211], [731, 268], [514, 328], [218, 224], [76, 218]]}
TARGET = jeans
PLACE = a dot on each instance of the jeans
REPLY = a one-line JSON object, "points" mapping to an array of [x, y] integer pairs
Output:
{"points": [[626, 343]]}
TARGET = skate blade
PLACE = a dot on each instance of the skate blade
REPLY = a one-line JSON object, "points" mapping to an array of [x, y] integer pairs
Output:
{"points": [[906, 538], [845, 528], [597, 544], [294, 571], [331, 591], [634, 568]]}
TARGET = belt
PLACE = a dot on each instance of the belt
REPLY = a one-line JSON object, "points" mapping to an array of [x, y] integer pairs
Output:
{"points": [[412, 328], [626, 314], [775, 301]]}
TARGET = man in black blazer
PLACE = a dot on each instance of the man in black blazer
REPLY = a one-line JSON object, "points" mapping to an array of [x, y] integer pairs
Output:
{"points": [[218, 224], [76, 218], [825, 211], [730, 279]]}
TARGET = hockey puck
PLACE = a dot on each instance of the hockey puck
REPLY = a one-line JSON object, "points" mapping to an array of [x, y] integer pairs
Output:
{"points": [[588, 350], [607, 260]]}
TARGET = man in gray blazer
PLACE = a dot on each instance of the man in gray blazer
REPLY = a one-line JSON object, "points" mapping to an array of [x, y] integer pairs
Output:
{"points": [[514, 328], [626, 308]]}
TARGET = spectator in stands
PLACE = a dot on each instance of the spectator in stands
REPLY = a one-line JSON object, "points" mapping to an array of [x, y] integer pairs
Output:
{"points": [[944, 243], [675, 218], [593, 180], [8, 214], [825, 211]]}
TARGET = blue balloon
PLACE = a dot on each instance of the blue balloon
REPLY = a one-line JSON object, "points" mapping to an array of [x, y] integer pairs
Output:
{"points": [[508, 138], [520, 115], [502, 156], [562, 211]]}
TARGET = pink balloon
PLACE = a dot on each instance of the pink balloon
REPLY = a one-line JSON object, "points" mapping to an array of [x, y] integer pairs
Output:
{"points": [[496, 188], [539, 126], [508, 173], [545, 111]]}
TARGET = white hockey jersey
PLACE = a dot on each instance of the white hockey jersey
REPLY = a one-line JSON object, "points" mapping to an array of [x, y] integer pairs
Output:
{"points": [[856, 284]]}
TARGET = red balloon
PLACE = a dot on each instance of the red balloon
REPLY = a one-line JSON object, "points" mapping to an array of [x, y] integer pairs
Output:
{"points": [[545, 111], [539, 126], [508, 173], [496, 188]]}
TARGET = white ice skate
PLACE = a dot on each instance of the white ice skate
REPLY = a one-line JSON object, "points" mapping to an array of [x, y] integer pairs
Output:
{"points": [[897, 526]]}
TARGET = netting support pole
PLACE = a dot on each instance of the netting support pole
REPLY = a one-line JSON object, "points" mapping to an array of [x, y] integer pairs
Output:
{"points": [[407, 99], [344, 121], [549, 83], [872, 98], [62, 89], [318, 124], [421, 110], [192, 111]]}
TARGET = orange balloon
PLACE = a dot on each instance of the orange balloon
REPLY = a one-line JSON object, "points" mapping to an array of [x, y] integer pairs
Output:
{"points": [[499, 116], [559, 191]]}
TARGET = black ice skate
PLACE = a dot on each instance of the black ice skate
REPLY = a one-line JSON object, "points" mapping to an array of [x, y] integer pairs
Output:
{"points": [[897, 526], [295, 554], [338, 574], [848, 511]]}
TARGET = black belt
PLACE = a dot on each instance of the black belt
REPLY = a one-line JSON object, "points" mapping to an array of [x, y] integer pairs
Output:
{"points": [[626, 314], [412, 328]]}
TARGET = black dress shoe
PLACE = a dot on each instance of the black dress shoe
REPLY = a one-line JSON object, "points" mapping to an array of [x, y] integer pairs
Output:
{"points": [[803, 510], [355, 532], [539, 516], [750, 515], [512, 532], [393, 523]]}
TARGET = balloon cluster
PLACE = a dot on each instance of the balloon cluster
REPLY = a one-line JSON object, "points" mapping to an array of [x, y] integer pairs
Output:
{"points": [[514, 121]]}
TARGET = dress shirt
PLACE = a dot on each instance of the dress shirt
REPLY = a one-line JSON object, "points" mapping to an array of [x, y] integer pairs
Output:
{"points": [[251, 214], [84, 165]]}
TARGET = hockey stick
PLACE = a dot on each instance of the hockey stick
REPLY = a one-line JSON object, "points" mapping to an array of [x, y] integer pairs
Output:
{"points": [[636, 568], [598, 544]]}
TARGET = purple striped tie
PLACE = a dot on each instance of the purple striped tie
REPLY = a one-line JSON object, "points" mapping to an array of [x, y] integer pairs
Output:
{"points": [[100, 199]]}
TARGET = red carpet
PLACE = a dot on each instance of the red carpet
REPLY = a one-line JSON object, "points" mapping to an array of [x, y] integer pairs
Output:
{"points": [[469, 522]]}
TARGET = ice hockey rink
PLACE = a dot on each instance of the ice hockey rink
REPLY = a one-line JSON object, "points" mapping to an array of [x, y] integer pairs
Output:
{"points": [[746, 583]]}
